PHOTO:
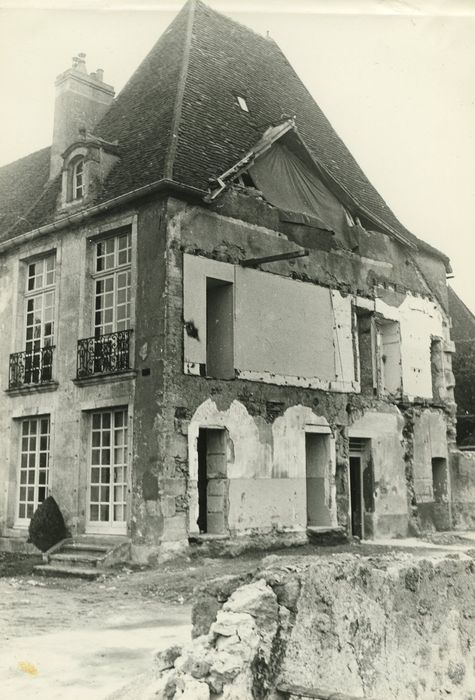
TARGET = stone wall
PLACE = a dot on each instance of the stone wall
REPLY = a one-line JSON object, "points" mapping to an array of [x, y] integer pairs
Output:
{"points": [[394, 626], [463, 489]]}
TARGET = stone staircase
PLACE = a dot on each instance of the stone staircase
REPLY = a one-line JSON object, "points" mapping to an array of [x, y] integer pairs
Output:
{"points": [[85, 556]]}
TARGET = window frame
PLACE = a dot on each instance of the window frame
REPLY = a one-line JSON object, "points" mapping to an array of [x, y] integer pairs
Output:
{"points": [[78, 162], [114, 272], [23, 521], [40, 292], [110, 525]]}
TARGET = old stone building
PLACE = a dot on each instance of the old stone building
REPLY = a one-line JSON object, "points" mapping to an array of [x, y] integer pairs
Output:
{"points": [[212, 325]]}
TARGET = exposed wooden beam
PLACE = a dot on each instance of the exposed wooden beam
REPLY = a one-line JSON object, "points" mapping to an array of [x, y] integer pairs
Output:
{"points": [[254, 262]]}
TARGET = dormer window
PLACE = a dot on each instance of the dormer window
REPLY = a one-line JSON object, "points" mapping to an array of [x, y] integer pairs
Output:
{"points": [[77, 180], [85, 165]]}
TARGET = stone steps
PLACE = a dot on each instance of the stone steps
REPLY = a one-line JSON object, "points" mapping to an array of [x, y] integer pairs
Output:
{"points": [[69, 571], [76, 557], [84, 557]]}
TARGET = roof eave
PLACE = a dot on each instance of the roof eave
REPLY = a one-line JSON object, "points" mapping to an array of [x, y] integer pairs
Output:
{"points": [[162, 186]]}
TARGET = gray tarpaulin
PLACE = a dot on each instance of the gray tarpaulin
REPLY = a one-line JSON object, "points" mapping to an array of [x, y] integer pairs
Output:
{"points": [[288, 183]]}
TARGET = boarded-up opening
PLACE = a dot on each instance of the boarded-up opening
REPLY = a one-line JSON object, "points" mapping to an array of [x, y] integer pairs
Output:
{"points": [[361, 488], [317, 464], [436, 367], [219, 329], [212, 481], [390, 354], [439, 479], [364, 324]]}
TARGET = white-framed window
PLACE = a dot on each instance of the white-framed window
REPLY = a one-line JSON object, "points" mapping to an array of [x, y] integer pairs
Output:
{"points": [[39, 318], [108, 468], [77, 179], [34, 465], [112, 280]]}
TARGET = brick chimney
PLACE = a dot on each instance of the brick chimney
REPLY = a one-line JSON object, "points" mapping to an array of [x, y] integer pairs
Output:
{"points": [[81, 100]]}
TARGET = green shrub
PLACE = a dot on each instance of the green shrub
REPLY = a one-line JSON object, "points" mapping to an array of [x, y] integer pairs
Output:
{"points": [[47, 526]]}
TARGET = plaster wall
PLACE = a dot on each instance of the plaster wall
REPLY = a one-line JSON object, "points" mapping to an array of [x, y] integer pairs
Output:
{"points": [[430, 440], [384, 430], [420, 319], [266, 467], [308, 339]]}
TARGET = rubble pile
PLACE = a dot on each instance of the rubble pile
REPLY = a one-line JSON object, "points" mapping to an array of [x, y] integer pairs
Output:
{"points": [[396, 625]]}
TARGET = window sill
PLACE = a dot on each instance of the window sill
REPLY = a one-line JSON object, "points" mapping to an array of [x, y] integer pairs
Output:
{"points": [[73, 205], [106, 378], [32, 389]]}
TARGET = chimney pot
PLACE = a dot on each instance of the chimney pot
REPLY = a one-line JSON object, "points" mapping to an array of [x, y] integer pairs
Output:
{"points": [[100, 74], [81, 62]]}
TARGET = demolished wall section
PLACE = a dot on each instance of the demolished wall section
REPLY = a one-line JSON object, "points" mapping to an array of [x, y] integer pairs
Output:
{"points": [[222, 243], [390, 626]]}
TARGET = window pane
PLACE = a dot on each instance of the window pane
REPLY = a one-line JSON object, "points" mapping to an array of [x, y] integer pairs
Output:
{"points": [[94, 512], [34, 460]]}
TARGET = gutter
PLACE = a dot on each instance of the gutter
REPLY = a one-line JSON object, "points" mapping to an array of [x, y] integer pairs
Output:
{"points": [[162, 185]]}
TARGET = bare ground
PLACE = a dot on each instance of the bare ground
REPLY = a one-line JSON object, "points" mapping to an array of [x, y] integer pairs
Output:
{"points": [[68, 638]]}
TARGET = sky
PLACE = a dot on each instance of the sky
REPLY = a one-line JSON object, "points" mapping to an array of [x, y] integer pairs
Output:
{"points": [[396, 79]]}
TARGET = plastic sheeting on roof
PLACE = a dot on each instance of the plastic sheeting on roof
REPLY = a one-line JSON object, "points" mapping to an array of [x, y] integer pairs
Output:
{"points": [[287, 183]]}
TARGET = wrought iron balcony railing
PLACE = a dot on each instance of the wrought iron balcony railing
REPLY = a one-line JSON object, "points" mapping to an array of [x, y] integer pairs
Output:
{"points": [[31, 367], [104, 354]]}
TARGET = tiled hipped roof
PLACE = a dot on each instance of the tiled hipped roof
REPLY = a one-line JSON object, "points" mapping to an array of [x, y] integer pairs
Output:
{"points": [[178, 117], [21, 184], [463, 320]]}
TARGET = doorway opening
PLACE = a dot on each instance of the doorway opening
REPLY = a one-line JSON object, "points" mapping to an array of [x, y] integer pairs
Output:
{"points": [[317, 468], [219, 329], [365, 338], [439, 479], [361, 488], [212, 481]]}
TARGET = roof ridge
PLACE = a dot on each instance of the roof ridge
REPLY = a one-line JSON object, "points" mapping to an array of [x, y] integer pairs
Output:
{"points": [[234, 21], [180, 91]]}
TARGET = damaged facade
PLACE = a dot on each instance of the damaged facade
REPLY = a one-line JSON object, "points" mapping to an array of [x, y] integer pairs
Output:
{"points": [[212, 324]]}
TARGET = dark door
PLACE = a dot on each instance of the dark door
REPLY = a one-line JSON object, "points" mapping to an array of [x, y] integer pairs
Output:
{"points": [[212, 481], [356, 497]]}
